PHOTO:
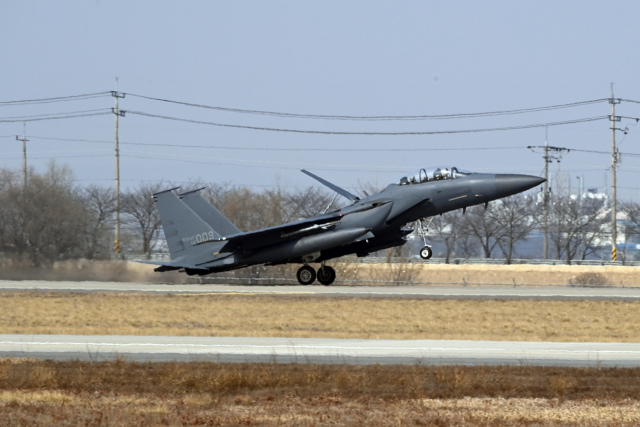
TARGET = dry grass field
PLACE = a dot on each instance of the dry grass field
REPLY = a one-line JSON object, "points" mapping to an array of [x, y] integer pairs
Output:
{"points": [[175, 394], [321, 317]]}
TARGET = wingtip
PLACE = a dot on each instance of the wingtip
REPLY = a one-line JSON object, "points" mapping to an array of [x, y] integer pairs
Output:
{"points": [[164, 191], [191, 191]]}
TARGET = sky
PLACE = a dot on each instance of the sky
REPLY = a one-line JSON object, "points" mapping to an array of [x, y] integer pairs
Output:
{"points": [[355, 58]]}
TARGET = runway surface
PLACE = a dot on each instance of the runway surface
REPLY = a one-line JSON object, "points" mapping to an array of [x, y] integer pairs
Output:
{"points": [[433, 292], [312, 350]]}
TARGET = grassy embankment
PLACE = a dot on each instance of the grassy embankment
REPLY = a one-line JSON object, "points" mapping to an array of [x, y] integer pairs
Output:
{"points": [[200, 393], [321, 317], [419, 273]]}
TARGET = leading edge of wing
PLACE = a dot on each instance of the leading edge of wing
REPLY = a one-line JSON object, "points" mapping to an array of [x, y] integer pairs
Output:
{"points": [[334, 187]]}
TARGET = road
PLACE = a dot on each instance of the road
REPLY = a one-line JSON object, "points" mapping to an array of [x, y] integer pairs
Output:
{"points": [[444, 292], [313, 350]]}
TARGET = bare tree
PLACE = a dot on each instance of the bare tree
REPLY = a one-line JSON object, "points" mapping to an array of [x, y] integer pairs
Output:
{"points": [[41, 221], [251, 210], [141, 214], [515, 216], [479, 222], [631, 224], [307, 202], [575, 225], [99, 205], [447, 228]]}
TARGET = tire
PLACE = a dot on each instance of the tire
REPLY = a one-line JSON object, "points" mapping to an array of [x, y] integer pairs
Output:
{"points": [[327, 277], [426, 252], [306, 275]]}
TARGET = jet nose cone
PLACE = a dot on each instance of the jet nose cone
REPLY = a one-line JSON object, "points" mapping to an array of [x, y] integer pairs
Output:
{"points": [[509, 184]]}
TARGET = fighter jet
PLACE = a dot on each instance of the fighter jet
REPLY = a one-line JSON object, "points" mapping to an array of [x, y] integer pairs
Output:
{"points": [[202, 241]]}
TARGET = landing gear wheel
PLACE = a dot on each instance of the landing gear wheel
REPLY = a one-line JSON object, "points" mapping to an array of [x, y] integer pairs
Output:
{"points": [[306, 275], [426, 252], [326, 275]]}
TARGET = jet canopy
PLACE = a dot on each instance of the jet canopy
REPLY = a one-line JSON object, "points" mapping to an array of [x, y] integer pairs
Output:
{"points": [[433, 174]]}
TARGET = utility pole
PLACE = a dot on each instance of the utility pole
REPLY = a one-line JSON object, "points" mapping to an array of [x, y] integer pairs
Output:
{"points": [[24, 155], [545, 202], [614, 161], [580, 187], [117, 113]]}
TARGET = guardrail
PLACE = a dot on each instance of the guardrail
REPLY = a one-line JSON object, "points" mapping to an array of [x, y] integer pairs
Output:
{"points": [[492, 261], [268, 281], [416, 260]]}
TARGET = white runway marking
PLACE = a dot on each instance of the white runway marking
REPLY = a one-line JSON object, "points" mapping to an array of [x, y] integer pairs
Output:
{"points": [[458, 292], [305, 350]]}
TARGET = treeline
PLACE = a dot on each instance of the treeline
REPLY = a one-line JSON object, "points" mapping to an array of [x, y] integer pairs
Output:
{"points": [[54, 217], [577, 228]]}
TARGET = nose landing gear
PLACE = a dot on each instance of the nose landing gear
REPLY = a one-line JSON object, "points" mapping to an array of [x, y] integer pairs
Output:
{"points": [[426, 252]]}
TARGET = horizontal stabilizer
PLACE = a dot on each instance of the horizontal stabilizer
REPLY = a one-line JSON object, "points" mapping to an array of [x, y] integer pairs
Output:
{"points": [[340, 191], [168, 266]]}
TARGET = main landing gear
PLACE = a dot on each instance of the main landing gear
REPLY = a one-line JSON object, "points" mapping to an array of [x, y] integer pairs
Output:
{"points": [[307, 275]]}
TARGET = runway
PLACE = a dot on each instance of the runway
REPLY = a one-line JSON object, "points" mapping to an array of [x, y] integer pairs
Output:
{"points": [[432, 292], [312, 350]]}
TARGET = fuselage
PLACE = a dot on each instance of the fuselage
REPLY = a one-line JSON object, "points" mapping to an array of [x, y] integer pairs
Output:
{"points": [[377, 222]]}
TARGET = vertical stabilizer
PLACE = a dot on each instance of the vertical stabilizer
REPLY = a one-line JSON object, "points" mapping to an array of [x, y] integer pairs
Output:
{"points": [[212, 216], [183, 229]]}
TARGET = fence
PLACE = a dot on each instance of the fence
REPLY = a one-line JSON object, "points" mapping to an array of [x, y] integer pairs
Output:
{"points": [[415, 260], [378, 271]]}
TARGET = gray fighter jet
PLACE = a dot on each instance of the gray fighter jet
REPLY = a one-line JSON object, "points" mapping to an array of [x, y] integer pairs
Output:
{"points": [[202, 241]]}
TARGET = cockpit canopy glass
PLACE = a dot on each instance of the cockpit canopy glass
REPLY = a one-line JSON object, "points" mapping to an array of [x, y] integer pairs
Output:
{"points": [[433, 174]]}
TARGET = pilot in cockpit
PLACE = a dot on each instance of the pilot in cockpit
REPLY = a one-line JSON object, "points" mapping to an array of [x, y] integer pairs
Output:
{"points": [[433, 174]]}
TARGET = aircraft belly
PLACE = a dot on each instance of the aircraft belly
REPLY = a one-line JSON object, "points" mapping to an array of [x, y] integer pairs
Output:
{"points": [[303, 246]]}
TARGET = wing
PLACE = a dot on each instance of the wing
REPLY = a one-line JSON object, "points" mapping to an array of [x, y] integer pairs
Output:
{"points": [[340, 191], [267, 236]]}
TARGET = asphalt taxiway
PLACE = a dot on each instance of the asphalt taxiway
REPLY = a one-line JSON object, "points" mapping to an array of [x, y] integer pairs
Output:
{"points": [[315, 350], [432, 292]]}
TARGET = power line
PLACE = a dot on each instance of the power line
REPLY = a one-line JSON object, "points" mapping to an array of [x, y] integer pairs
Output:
{"points": [[603, 152], [56, 116], [72, 139], [56, 157], [221, 147], [246, 161], [326, 149], [343, 117], [256, 166], [589, 119], [56, 99]]}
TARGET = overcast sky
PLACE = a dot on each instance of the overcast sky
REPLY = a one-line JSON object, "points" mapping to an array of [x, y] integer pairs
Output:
{"points": [[357, 58]]}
